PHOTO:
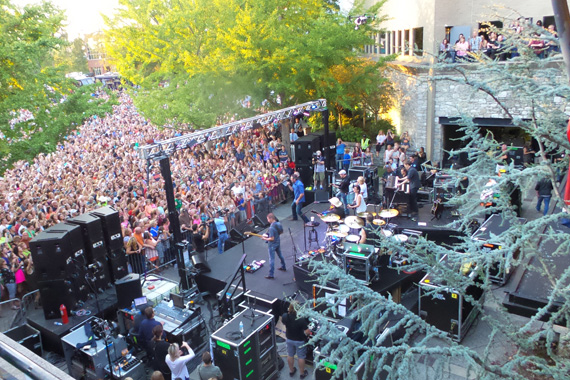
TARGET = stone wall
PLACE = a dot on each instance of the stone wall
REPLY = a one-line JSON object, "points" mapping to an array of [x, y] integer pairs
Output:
{"points": [[450, 99]]}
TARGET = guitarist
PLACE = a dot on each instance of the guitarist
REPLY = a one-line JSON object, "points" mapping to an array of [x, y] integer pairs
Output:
{"points": [[274, 244]]}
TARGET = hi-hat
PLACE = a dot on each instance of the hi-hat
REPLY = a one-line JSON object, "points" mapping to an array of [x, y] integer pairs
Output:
{"points": [[354, 222], [338, 234], [364, 214], [353, 238], [379, 222], [330, 218]]}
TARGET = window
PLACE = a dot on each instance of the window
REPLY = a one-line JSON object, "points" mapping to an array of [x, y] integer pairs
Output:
{"points": [[406, 44], [418, 41], [97, 71]]}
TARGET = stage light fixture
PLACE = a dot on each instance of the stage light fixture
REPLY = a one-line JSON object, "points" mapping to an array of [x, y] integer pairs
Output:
{"points": [[306, 113]]}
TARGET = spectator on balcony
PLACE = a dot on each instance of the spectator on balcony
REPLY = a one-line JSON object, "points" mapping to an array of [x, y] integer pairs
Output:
{"points": [[493, 46], [461, 48], [444, 49], [537, 45], [502, 53], [552, 45], [475, 43]]}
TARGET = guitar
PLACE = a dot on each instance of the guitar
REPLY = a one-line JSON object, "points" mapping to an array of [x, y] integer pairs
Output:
{"points": [[247, 233], [437, 208]]}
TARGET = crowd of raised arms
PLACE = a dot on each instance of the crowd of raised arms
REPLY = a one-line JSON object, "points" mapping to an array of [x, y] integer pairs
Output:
{"points": [[98, 164]]}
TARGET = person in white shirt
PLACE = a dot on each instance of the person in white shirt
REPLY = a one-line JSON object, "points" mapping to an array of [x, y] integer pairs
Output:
{"points": [[177, 363], [388, 153]]}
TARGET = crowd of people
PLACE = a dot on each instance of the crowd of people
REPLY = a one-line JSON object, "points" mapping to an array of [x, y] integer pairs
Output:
{"points": [[98, 164], [544, 43]]}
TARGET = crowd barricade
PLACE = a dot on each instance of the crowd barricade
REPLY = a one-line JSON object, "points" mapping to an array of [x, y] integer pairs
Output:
{"points": [[17, 316]]}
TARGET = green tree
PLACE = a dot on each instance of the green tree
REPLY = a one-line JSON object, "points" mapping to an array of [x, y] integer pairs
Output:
{"points": [[35, 96], [512, 347], [219, 52]]}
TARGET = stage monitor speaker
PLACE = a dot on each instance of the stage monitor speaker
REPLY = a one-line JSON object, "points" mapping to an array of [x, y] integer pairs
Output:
{"points": [[92, 229], [238, 233], [111, 227], [57, 252], [118, 265], [128, 289], [55, 293], [200, 263], [260, 219], [305, 147]]}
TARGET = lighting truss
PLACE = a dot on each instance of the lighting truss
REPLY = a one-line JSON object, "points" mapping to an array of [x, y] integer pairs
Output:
{"points": [[169, 146]]}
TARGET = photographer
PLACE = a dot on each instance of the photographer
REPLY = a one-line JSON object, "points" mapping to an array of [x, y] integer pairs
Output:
{"points": [[200, 235], [319, 165]]}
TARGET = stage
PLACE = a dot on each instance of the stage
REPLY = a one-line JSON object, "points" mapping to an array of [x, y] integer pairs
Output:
{"points": [[298, 277]]}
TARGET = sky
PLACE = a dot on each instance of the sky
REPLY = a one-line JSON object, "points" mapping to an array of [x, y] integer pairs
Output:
{"points": [[84, 16]]}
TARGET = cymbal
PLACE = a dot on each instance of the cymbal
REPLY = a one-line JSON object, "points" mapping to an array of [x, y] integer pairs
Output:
{"points": [[394, 211], [389, 213], [364, 214], [378, 222], [354, 222], [338, 234], [330, 218]]}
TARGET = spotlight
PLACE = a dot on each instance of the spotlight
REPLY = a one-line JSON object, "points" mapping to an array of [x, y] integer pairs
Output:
{"points": [[306, 113]]}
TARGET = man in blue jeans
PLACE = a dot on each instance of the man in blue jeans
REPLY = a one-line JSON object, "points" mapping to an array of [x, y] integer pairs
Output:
{"points": [[298, 197], [222, 230], [274, 244], [544, 193]]}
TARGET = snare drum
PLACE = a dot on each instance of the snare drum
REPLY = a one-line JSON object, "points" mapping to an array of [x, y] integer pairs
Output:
{"points": [[352, 238], [343, 228], [387, 233]]}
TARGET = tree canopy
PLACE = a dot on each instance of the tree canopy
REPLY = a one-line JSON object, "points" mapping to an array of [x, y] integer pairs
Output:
{"points": [[33, 89], [214, 55]]}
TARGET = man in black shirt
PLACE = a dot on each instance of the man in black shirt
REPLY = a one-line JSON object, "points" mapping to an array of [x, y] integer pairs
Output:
{"points": [[200, 236], [296, 332], [544, 193], [413, 178]]}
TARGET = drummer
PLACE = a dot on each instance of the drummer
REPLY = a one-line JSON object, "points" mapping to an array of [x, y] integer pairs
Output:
{"points": [[367, 234], [336, 207]]}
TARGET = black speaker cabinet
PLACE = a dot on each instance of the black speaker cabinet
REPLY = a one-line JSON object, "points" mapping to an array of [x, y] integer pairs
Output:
{"points": [[100, 272], [306, 174], [199, 261], [304, 149], [55, 293], [57, 252], [260, 219], [128, 288], [238, 233], [92, 229], [118, 266], [111, 227]]}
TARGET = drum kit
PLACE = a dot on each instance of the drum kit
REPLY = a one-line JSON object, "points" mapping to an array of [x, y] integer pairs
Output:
{"points": [[347, 230]]}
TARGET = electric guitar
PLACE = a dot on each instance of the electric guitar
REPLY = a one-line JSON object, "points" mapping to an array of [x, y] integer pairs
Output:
{"points": [[437, 208], [247, 233]]}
